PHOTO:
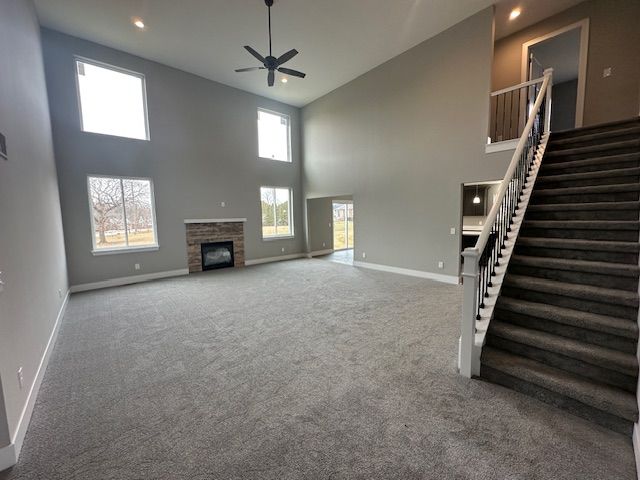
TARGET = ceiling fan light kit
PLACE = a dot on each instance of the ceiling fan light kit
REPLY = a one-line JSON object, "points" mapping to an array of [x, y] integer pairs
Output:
{"points": [[271, 63]]}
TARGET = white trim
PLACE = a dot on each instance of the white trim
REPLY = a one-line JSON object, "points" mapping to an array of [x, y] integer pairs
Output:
{"points": [[501, 146], [636, 447], [583, 25], [214, 220], [9, 454], [438, 277], [116, 282], [319, 253], [258, 261], [111, 251]]}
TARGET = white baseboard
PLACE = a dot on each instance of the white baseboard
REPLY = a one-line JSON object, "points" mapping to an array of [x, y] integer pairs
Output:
{"points": [[258, 261], [439, 277], [318, 253], [9, 454], [636, 447], [116, 282]]}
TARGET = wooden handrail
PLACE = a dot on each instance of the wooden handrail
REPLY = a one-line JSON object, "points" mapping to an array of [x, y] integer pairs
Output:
{"points": [[516, 87]]}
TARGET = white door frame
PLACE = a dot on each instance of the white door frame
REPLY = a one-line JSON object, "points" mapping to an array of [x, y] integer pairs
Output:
{"points": [[583, 25]]}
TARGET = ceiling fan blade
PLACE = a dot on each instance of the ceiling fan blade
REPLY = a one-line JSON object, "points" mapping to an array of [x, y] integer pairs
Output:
{"points": [[250, 69], [271, 78], [287, 56], [255, 54], [294, 73]]}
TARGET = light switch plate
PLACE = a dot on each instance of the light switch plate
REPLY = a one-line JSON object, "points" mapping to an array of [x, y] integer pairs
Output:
{"points": [[453, 230], [606, 72]]}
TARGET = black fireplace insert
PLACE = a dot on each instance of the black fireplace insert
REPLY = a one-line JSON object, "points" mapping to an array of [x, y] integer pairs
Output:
{"points": [[217, 255]]}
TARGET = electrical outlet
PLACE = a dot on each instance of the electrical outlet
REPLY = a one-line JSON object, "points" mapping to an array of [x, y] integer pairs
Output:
{"points": [[1, 282], [606, 72], [223, 204], [364, 254], [20, 378], [324, 244], [452, 231], [282, 249], [329, 224], [440, 264], [137, 266]]}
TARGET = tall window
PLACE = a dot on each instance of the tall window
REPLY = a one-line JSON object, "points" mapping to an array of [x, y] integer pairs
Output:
{"points": [[274, 134], [112, 101], [276, 212], [122, 213]]}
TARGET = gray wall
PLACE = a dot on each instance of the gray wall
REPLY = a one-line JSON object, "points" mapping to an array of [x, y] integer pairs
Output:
{"points": [[203, 151], [614, 41], [563, 112], [32, 256], [403, 138]]}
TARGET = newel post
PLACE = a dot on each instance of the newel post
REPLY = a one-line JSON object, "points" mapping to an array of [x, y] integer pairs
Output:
{"points": [[471, 276], [547, 110]]}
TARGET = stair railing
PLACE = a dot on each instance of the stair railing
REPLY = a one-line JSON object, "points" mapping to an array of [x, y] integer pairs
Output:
{"points": [[481, 260]]}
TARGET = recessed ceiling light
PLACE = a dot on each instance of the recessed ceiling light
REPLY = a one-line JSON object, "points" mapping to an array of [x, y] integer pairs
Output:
{"points": [[515, 13], [284, 80], [138, 23]]}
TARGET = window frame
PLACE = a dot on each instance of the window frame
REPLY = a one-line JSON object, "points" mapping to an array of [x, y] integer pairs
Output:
{"points": [[281, 115], [270, 238], [126, 249], [98, 63]]}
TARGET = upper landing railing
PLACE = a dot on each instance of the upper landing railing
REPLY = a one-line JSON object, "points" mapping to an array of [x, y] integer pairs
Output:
{"points": [[480, 261]]}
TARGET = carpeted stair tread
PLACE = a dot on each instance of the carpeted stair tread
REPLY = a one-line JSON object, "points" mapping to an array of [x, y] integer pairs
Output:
{"points": [[583, 292], [618, 172], [567, 316], [614, 145], [584, 224], [607, 127], [579, 244], [563, 207], [604, 160], [589, 189], [589, 137], [605, 268], [625, 363], [600, 396]]}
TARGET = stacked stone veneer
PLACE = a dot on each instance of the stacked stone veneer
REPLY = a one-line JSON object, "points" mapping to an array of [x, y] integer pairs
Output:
{"points": [[198, 233]]}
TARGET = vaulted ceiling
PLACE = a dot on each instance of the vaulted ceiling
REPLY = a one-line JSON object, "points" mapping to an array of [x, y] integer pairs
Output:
{"points": [[338, 40]]}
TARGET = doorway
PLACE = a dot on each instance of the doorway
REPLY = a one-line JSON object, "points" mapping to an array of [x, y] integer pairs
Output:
{"points": [[342, 225], [565, 51]]}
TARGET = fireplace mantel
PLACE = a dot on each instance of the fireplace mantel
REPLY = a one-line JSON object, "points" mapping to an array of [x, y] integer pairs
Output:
{"points": [[214, 220]]}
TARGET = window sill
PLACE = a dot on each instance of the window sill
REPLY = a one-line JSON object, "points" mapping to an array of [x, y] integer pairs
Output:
{"points": [[501, 146], [113, 251], [283, 237], [275, 159]]}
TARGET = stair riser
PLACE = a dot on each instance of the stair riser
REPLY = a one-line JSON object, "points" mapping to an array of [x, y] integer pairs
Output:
{"points": [[590, 153], [585, 141], [600, 417], [596, 256], [595, 129], [583, 215], [607, 340], [558, 169], [600, 306], [614, 235], [584, 198], [543, 183], [568, 364], [583, 278]]}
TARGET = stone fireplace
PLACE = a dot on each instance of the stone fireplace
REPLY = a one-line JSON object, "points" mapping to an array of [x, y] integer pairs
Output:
{"points": [[215, 243]]}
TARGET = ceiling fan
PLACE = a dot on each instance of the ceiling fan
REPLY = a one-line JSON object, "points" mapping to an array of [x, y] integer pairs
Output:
{"points": [[270, 62]]}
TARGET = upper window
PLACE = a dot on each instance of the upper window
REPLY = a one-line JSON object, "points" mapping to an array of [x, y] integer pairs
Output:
{"points": [[276, 212], [122, 213], [112, 101], [274, 136]]}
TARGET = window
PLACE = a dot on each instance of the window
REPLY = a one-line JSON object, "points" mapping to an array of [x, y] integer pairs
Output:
{"points": [[122, 213], [273, 136], [112, 101], [276, 212]]}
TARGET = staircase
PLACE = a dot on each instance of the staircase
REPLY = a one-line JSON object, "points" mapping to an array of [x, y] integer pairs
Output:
{"points": [[564, 328]]}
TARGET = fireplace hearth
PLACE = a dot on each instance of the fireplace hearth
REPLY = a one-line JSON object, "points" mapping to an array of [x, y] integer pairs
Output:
{"points": [[217, 255]]}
